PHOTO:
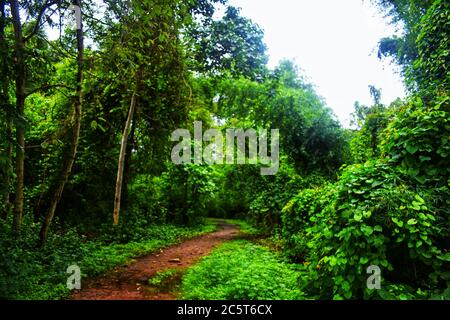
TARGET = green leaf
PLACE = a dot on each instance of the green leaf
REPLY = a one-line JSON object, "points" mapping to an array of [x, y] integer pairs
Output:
{"points": [[411, 149], [376, 184], [397, 222], [420, 179], [333, 261], [367, 214], [424, 158], [418, 198], [378, 228], [445, 257], [367, 230]]}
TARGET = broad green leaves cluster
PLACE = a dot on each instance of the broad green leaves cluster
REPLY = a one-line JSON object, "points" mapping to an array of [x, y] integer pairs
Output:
{"points": [[374, 217], [431, 70], [391, 209], [418, 141]]}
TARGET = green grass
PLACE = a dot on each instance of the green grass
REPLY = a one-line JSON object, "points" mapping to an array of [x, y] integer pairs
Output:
{"points": [[240, 270], [166, 281], [162, 276], [28, 272], [100, 258]]}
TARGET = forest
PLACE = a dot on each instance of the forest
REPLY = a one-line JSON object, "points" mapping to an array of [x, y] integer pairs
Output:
{"points": [[93, 93]]}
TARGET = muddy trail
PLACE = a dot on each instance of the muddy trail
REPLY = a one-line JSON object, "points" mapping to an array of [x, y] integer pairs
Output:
{"points": [[131, 282]]}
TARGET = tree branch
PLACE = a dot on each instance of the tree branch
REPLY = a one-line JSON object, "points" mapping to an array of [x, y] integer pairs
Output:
{"points": [[47, 87], [37, 25]]}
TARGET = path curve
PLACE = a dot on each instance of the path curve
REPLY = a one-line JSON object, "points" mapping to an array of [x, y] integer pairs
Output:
{"points": [[131, 282]]}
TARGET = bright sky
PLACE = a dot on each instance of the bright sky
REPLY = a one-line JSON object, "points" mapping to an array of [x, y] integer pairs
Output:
{"points": [[334, 42]]}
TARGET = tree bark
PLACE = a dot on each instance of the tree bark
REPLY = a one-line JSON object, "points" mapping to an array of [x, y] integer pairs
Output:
{"points": [[69, 161], [20, 109], [5, 100], [123, 148], [9, 151], [127, 165]]}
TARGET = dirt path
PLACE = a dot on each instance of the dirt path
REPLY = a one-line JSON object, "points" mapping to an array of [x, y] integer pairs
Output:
{"points": [[131, 282]]}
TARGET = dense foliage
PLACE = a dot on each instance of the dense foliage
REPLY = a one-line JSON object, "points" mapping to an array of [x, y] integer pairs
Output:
{"points": [[391, 210], [86, 121]]}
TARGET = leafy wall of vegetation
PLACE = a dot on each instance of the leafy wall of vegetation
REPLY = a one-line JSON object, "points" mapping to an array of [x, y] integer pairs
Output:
{"points": [[391, 211]]}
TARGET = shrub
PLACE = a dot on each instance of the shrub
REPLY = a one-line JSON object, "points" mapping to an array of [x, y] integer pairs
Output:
{"points": [[266, 208], [378, 219], [418, 140], [299, 214], [186, 191]]}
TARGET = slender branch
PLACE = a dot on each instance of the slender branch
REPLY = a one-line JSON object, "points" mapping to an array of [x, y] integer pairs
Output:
{"points": [[46, 88], [86, 15], [38, 24], [123, 148], [61, 50]]}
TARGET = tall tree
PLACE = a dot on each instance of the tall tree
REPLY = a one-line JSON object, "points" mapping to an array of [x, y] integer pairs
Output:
{"points": [[20, 110], [7, 112], [405, 13], [36, 12], [121, 164], [232, 45], [70, 159]]}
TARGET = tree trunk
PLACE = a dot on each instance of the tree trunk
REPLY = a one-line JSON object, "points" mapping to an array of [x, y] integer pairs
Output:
{"points": [[123, 148], [5, 101], [69, 161], [9, 151], [20, 109], [127, 165]]}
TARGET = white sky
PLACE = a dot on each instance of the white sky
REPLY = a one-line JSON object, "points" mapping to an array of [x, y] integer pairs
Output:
{"points": [[333, 42]]}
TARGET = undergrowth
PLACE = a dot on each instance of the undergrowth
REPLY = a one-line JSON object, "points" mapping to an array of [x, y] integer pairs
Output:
{"points": [[240, 270], [29, 272]]}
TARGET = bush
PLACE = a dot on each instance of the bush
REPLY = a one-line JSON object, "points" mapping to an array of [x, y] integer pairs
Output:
{"points": [[376, 218], [391, 212], [145, 199], [418, 141], [266, 207], [186, 192], [300, 213], [27, 272]]}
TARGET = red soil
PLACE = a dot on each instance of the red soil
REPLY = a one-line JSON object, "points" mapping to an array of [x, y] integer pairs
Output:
{"points": [[131, 282]]}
